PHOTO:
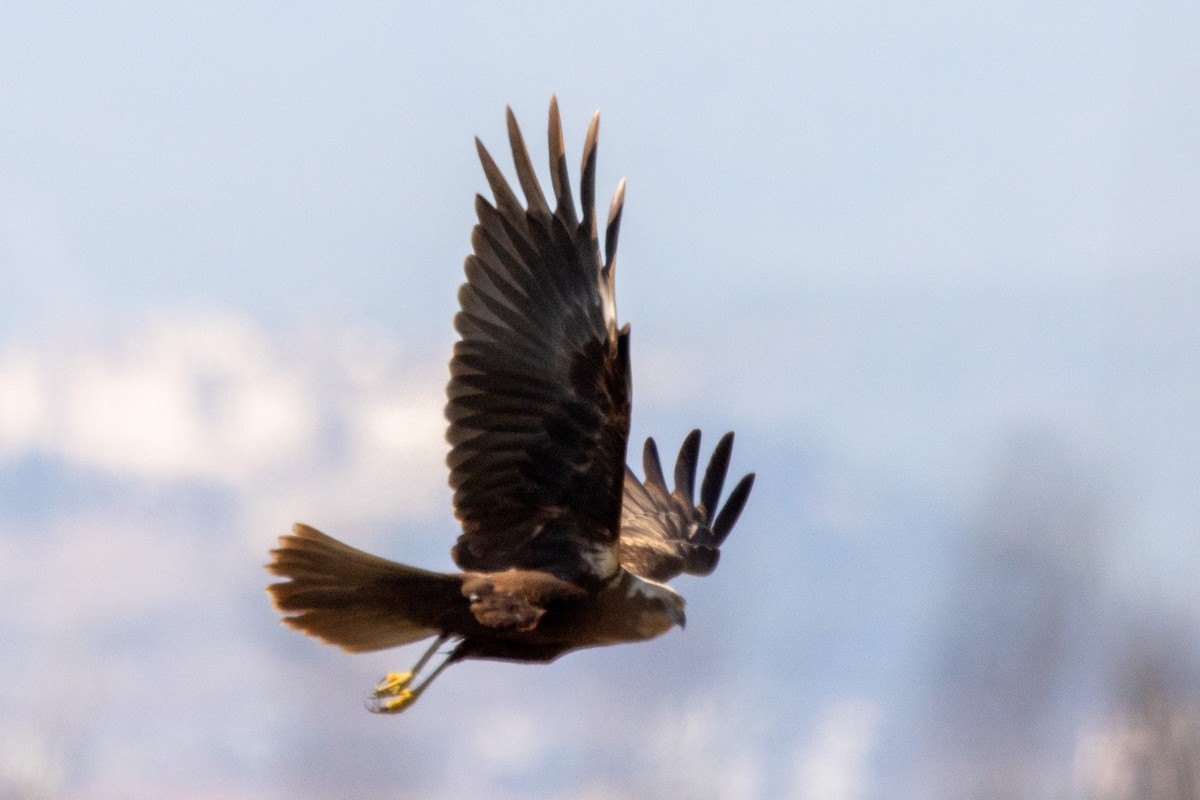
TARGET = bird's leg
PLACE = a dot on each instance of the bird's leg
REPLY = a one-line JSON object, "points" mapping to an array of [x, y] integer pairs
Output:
{"points": [[395, 684], [393, 702]]}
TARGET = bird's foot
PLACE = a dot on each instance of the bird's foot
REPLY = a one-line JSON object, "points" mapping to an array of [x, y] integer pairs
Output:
{"points": [[393, 684], [394, 704], [392, 695]]}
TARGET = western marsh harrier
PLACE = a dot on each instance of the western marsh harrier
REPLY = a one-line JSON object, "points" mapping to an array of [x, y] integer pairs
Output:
{"points": [[563, 547]]}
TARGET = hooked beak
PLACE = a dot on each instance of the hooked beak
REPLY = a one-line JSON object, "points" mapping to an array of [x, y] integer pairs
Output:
{"points": [[679, 618]]}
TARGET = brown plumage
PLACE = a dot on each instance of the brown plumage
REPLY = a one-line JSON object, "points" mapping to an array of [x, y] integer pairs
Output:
{"points": [[563, 547]]}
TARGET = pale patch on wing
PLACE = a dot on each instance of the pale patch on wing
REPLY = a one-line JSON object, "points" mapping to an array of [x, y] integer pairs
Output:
{"points": [[602, 559], [610, 311]]}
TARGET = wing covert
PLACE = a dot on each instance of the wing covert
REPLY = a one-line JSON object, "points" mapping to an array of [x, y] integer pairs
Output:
{"points": [[664, 533]]}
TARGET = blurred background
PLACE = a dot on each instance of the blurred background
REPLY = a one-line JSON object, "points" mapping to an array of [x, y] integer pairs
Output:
{"points": [[936, 264]]}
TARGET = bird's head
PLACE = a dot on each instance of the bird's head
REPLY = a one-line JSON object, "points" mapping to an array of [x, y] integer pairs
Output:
{"points": [[654, 608]]}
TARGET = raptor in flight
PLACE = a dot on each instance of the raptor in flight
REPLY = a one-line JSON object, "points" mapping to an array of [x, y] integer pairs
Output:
{"points": [[563, 546]]}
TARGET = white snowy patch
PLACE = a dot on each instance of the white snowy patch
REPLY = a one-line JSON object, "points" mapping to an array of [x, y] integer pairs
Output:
{"points": [[343, 418]]}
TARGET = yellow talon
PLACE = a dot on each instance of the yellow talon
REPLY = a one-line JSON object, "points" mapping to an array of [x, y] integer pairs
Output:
{"points": [[394, 705], [400, 702], [394, 683], [392, 695]]}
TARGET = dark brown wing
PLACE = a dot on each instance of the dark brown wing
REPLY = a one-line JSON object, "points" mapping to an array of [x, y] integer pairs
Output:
{"points": [[664, 533], [539, 383]]}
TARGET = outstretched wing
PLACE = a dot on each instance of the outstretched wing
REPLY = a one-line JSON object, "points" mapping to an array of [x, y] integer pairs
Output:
{"points": [[539, 388], [664, 533]]}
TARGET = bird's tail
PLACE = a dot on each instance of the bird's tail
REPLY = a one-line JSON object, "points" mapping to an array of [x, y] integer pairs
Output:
{"points": [[355, 600]]}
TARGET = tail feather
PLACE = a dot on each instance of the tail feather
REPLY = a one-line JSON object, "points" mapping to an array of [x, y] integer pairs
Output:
{"points": [[355, 600]]}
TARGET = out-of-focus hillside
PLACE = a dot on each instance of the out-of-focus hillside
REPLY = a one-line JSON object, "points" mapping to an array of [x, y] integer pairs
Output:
{"points": [[870, 632]]}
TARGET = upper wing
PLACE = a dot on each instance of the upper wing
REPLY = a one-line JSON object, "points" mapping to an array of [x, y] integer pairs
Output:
{"points": [[539, 387], [664, 534]]}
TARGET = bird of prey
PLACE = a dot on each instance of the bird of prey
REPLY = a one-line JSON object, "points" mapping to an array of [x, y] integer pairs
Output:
{"points": [[562, 546]]}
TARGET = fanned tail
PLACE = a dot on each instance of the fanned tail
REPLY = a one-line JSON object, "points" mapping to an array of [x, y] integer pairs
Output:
{"points": [[355, 600]]}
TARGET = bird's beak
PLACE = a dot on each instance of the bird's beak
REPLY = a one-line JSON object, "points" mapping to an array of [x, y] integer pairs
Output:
{"points": [[679, 618]]}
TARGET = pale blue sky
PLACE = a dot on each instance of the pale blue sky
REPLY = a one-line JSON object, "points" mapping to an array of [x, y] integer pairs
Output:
{"points": [[303, 159]]}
